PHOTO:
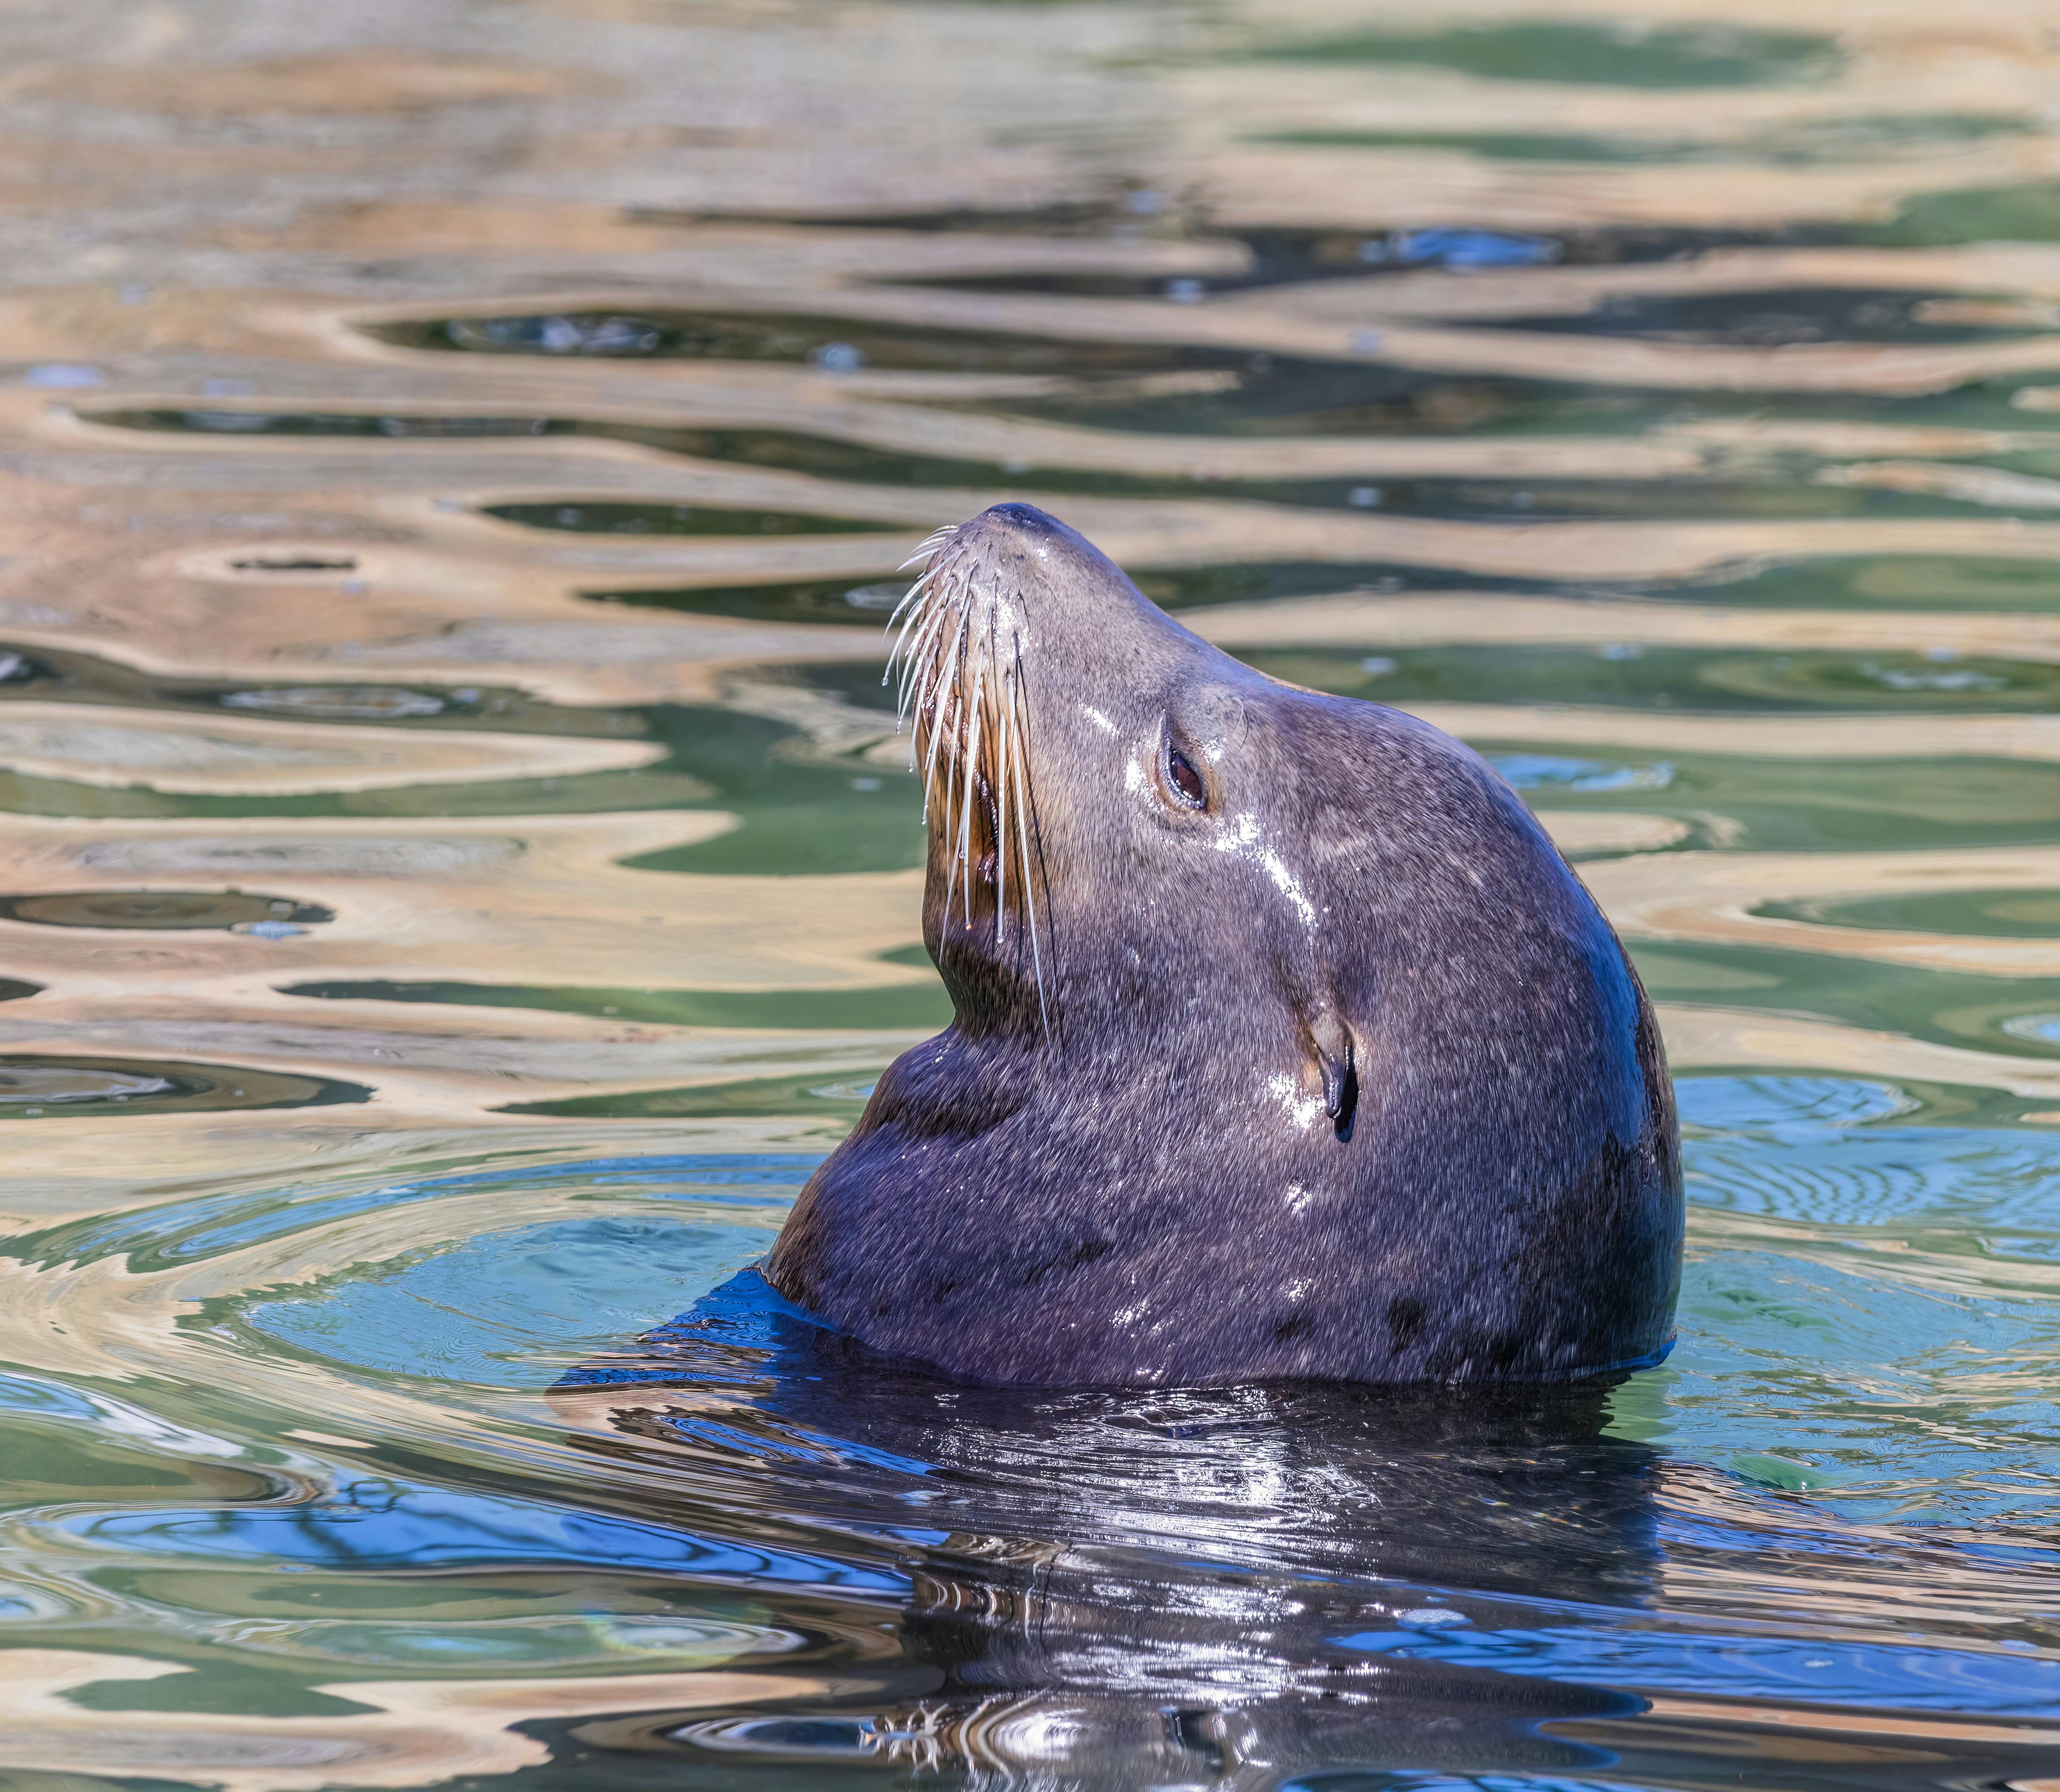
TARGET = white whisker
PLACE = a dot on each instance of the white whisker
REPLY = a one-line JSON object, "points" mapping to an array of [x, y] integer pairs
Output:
{"points": [[1004, 736], [971, 760], [946, 651], [896, 654], [913, 665], [927, 548], [930, 771], [1029, 885]]}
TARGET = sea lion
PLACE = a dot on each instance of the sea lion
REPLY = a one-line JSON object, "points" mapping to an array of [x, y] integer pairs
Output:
{"points": [[1287, 1045]]}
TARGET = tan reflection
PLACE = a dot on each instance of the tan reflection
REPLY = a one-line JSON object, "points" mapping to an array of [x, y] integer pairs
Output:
{"points": [[369, 82], [1710, 897], [493, 901], [1608, 360], [1900, 58], [228, 755], [1376, 187], [1484, 618], [419, 1733], [1993, 486], [1804, 736], [2029, 269], [1717, 1038]]}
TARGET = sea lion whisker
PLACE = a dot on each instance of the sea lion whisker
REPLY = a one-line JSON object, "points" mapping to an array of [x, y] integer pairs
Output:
{"points": [[1024, 815], [930, 702], [930, 769], [946, 687], [953, 674], [913, 597], [971, 759], [895, 655], [916, 665], [927, 548], [965, 696], [1002, 737], [1005, 734], [965, 734], [915, 668], [957, 772], [922, 579]]}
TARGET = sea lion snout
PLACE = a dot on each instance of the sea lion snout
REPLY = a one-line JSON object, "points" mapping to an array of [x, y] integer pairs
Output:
{"points": [[1278, 1016]]}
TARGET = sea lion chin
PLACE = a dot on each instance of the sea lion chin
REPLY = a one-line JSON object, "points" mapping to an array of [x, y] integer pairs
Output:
{"points": [[1288, 1047]]}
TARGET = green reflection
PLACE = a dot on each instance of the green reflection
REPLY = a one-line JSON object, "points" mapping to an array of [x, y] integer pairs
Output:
{"points": [[1803, 143], [840, 1099], [598, 518], [65, 1463], [718, 335], [236, 1685], [1691, 680], [2018, 1017], [1908, 582], [2028, 213], [2013, 914], [1625, 55], [887, 1007], [1753, 803]]}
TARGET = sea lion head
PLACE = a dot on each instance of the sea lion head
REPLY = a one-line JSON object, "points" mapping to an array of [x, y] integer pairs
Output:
{"points": [[1103, 789], [1286, 1044]]}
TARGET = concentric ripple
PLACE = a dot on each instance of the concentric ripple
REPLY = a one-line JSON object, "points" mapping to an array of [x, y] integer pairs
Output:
{"points": [[461, 874]]}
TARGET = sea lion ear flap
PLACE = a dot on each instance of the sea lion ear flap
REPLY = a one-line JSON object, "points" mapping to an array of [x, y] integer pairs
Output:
{"points": [[1336, 1052]]}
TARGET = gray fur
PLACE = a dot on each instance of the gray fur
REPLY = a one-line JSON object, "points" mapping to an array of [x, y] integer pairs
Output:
{"points": [[1120, 1165]]}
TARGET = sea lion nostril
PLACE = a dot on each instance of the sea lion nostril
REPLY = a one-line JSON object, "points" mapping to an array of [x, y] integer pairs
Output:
{"points": [[1024, 516]]}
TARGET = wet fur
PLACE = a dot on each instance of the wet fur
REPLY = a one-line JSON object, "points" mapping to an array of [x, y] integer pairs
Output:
{"points": [[1117, 1166]]}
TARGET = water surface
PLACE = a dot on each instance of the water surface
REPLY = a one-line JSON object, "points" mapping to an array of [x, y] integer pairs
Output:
{"points": [[461, 873]]}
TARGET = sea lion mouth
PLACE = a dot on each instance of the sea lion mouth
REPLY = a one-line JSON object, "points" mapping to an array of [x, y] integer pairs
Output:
{"points": [[960, 655]]}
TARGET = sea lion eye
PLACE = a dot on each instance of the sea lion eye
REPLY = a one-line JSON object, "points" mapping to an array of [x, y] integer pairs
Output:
{"points": [[1185, 780]]}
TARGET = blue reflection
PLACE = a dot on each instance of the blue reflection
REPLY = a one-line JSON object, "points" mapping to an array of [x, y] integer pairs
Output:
{"points": [[184, 1230], [1902, 1676], [1356, 1779], [1812, 1148], [1459, 247], [382, 1524], [488, 1310], [1536, 770]]}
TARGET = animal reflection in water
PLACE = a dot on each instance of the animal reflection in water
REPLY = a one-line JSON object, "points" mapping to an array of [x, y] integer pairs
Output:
{"points": [[1217, 1587]]}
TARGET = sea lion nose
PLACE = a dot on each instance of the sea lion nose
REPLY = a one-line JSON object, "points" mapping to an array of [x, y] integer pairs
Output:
{"points": [[1021, 516]]}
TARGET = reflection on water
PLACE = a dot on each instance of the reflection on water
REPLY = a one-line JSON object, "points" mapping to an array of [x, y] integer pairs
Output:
{"points": [[461, 873]]}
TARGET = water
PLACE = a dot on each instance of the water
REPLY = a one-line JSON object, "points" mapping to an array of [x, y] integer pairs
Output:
{"points": [[462, 875]]}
